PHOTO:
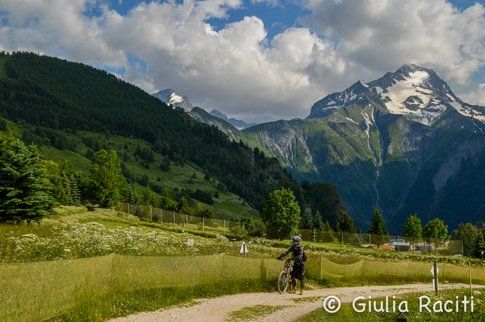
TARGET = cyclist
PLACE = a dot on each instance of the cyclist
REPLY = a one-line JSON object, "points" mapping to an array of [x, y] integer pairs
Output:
{"points": [[299, 259]]}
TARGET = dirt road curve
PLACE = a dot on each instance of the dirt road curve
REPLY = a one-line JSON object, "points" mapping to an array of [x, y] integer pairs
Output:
{"points": [[218, 309]]}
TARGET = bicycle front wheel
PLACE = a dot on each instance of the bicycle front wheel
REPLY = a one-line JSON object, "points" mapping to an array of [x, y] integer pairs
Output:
{"points": [[283, 280]]}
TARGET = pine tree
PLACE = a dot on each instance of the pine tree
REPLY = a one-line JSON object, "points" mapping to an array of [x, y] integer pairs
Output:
{"points": [[307, 218], [75, 194], [24, 187], [184, 206], [378, 229], [317, 220], [167, 201], [346, 224]]}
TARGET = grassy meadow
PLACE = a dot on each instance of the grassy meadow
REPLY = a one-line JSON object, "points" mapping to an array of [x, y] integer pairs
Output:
{"points": [[92, 265]]}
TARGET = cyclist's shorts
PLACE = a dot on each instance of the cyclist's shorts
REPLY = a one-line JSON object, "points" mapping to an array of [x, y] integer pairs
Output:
{"points": [[298, 270]]}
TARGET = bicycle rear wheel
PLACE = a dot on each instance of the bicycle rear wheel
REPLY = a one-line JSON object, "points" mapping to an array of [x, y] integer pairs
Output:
{"points": [[283, 280]]}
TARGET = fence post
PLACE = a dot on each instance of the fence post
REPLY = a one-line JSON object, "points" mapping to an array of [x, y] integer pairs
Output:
{"points": [[342, 237], [320, 269], [128, 206], [435, 275], [161, 216], [186, 220], [470, 274], [203, 223], [173, 212], [262, 267], [314, 235], [151, 213], [224, 226]]}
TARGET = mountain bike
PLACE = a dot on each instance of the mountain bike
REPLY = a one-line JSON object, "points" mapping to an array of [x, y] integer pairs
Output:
{"points": [[284, 279]]}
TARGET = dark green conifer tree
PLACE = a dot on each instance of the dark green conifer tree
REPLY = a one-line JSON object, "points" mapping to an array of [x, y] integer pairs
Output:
{"points": [[24, 185]]}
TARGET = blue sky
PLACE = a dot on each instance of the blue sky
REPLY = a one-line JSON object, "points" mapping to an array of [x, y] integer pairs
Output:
{"points": [[277, 17], [264, 59]]}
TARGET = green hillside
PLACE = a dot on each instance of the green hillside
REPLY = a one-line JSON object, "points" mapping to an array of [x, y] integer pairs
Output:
{"points": [[72, 110], [205, 117]]}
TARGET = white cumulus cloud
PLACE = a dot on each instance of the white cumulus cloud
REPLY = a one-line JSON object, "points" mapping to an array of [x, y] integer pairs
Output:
{"points": [[381, 35], [237, 68]]}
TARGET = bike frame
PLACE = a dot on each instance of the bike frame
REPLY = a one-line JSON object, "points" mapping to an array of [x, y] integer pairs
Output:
{"points": [[286, 271], [287, 267]]}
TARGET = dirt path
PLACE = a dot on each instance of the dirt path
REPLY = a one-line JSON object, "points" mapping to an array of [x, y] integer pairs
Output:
{"points": [[218, 309]]}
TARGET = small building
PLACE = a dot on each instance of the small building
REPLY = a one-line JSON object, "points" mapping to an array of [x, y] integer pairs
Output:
{"points": [[426, 248], [401, 246]]}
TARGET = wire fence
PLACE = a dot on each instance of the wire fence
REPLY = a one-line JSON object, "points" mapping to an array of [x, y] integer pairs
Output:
{"points": [[391, 242], [363, 240], [162, 216], [43, 290]]}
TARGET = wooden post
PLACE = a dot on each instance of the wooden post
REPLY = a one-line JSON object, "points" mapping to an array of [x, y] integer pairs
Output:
{"points": [[342, 237], [314, 235], [224, 225], [435, 275], [203, 223], [470, 275], [173, 212], [151, 214], [161, 216], [128, 206]]}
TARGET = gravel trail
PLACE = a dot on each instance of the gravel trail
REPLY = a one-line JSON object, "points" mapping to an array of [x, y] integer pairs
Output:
{"points": [[295, 306]]}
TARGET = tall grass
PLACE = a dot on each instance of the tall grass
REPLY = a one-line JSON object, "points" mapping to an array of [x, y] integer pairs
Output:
{"points": [[120, 301], [116, 285], [348, 271]]}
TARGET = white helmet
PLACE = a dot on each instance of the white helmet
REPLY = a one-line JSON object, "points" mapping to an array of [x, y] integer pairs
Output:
{"points": [[296, 240]]}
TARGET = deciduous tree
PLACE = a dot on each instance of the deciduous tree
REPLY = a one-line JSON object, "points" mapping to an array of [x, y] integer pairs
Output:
{"points": [[281, 214]]}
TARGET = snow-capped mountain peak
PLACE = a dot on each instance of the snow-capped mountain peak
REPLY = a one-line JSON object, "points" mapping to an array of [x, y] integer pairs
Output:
{"points": [[412, 91], [170, 97]]}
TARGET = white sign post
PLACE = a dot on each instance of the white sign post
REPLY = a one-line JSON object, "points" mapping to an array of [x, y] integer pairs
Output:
{"points": [[434, 269], [244, 249]]}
